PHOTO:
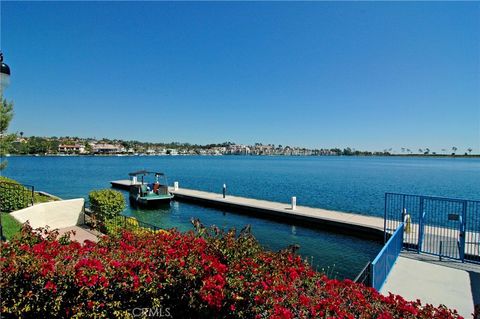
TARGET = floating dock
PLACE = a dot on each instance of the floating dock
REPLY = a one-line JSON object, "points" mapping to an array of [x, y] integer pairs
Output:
{"points": [[353, 224], [349, 223]]}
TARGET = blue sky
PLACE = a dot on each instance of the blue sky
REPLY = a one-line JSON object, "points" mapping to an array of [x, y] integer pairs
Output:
{"points": [[316, 74]]}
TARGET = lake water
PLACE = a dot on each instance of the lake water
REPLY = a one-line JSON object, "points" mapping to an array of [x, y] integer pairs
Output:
{"points": [[352, 184]]}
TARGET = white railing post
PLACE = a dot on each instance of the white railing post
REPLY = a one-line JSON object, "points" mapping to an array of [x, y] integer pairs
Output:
{"points": [[294, 202], [175, 186]]}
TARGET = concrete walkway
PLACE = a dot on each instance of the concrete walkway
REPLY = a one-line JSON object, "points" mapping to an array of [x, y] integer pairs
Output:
{"points": [[451, 283], [81, 233]]}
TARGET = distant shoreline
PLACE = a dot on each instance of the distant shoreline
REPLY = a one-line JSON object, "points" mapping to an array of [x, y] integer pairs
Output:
{"points": [[243, 155]]}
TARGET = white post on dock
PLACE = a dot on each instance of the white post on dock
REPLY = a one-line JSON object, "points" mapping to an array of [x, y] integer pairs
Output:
{"points": [[294, 202], [134, 180], [175, 186]]}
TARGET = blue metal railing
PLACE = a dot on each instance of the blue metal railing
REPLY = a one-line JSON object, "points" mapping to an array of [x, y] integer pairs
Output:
{"points": [[444, 227], [383, 263]]}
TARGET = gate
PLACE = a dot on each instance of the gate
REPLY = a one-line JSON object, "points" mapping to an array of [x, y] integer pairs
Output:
{"points": [[443, 227]]}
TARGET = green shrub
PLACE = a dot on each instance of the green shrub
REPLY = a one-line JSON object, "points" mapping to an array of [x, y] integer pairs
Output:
{"points": [[106, 203], [13, 196]]}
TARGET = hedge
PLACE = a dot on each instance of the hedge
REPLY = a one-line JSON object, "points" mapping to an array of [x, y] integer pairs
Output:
{"points": [[208, 274], [106, 203], [13, 196]]}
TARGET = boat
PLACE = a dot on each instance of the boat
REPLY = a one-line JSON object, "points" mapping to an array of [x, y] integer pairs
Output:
{"points": [[148, 194]]}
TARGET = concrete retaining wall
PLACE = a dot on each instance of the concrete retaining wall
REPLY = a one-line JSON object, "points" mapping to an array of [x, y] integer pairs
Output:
{"points": [[57, 214]]}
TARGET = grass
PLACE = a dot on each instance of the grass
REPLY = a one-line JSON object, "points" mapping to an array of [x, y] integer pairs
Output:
{"points": [[10, 225]]}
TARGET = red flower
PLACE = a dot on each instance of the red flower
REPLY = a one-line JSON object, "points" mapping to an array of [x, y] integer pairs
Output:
{"points": [[51, 286], [305, 301], [210, 276]]}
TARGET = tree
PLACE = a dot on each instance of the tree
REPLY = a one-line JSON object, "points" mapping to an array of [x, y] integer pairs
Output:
{"points": [[89, 148], [469, 151], [53, 146], [347, 151], [6, 115], [454, 149], [37, 145]]}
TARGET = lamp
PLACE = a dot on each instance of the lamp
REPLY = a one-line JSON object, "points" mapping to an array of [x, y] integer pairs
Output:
{"points": [[4, 73]]}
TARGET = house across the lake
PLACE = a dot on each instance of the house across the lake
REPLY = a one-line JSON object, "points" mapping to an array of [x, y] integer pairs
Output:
{"points": [[104, 148], [71, 148]]}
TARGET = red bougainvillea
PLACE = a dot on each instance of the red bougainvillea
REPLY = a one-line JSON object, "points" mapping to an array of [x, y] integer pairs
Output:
{"points": [[203, 274]]}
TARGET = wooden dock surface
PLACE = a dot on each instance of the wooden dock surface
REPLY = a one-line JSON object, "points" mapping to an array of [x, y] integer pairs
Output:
{"points": [[368, 225]]}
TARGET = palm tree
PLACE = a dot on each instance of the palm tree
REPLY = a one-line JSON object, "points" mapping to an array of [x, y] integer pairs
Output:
{"points": [[454, 149], [427, 151], [420, 150], [469, 151]]}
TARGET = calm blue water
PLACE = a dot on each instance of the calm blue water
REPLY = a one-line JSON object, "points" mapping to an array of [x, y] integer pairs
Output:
{"points": [[354, 184]]}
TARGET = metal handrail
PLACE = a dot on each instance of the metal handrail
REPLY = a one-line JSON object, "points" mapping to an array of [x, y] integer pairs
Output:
{"points": [[363, 276], [123, 219]]}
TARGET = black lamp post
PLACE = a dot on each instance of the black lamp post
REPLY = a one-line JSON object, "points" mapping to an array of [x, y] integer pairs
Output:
{"points": [[4, 74], [4, 82]]}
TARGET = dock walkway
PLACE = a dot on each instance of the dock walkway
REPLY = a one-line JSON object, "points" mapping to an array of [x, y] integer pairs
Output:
{"points": [[356, 224], [368, 225]]}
